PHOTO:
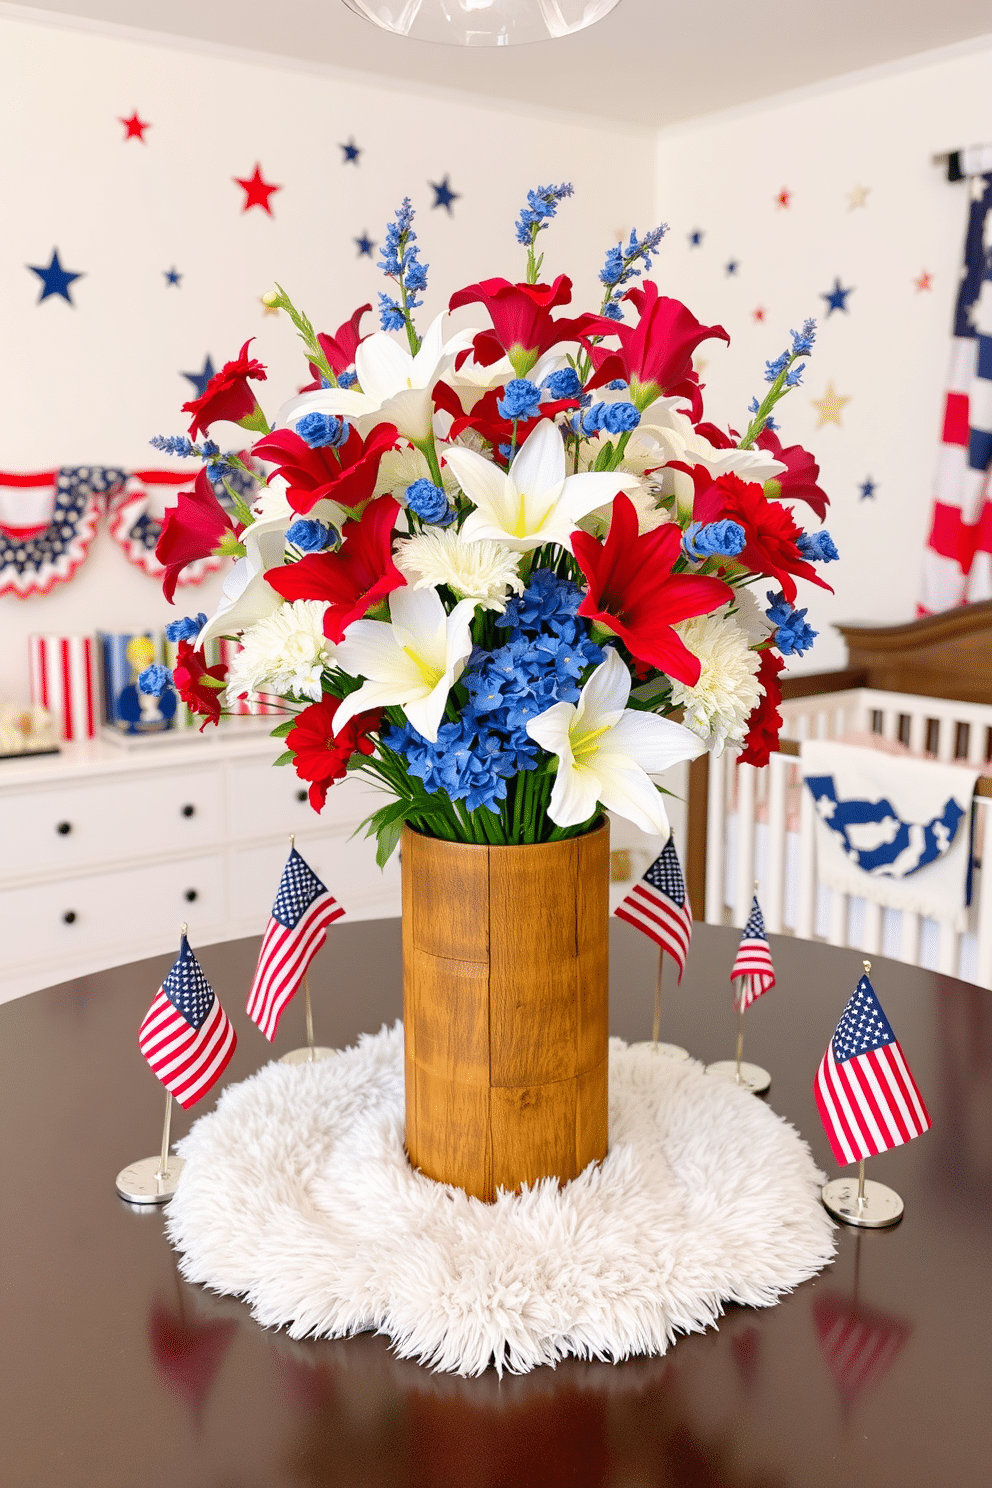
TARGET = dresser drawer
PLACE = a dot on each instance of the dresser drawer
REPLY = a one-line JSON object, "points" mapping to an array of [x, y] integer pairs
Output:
{"points": [[92, 821], [269, 800], [124, 910]]}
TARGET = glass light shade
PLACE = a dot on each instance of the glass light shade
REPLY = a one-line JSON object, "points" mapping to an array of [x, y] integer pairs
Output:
{"points": [[482, 22]]}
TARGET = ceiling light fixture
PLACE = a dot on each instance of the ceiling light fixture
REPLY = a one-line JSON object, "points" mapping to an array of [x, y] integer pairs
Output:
{"points": [[482, 22]]}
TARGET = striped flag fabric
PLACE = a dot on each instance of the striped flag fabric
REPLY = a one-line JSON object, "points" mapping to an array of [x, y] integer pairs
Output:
{"points": [[958, 559], [866, 1096], [186, 1036], [753, 963], [295, 933], [63, 681], [659, 905]]}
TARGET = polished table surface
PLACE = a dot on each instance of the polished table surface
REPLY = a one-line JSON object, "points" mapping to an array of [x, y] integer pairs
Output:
{"points": [[115, 1372]]}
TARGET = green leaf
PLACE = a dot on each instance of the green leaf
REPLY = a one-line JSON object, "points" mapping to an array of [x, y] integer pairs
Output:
{"points": [[287, 758], [389, 839], [282, 729]]}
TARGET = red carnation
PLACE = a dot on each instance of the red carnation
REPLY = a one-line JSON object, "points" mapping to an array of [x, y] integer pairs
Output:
{"points": [[194, 528], [228, 396], [321, 755], [655, 356], [339, 349], [769, 530], [765, 721], [634, 592], [798, 481], [355, 578], [521, 317], [188, 676], [347, 475]]}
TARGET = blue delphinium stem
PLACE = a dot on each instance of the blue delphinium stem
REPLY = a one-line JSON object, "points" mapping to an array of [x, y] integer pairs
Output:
{"points": [[783, 375], [624, 263], [542, 205], [399, 259]]}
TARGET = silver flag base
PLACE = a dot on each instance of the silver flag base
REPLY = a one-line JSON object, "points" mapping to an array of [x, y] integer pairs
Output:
{"points": [[670, 1051], [751, 1077], [875, 1210], [145, 1181], [307, 1055]]}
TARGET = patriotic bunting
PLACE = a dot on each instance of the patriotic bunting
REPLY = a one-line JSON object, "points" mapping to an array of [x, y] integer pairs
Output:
{"points": [[186, 1036], [295, 933]]}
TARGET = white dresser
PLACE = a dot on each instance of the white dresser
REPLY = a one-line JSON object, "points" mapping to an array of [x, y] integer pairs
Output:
{"points": [[105, 850]]}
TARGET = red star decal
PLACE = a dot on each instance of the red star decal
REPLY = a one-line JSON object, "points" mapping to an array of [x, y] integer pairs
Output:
{"points": [[257, 191], [760, 313], [784, 198], [134, 128], [925, 281]]}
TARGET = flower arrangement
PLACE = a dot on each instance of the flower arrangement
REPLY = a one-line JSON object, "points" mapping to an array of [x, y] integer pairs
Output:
{"points": [[506, 573]]}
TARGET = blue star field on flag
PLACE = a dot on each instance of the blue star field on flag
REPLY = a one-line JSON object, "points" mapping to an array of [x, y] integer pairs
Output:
{"points": [[836, 298], [55, 280], [187, 988], [863, 1026], [365, 246], [351, 152], [443, 194], [298, 888], [172, 276], [200, 379]]}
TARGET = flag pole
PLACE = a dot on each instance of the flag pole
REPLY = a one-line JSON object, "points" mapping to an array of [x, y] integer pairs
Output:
{"points": [[163, 1167], [656, 1026], [750, 1077], [309, 1011], [740, 1034], [309, 1054]]}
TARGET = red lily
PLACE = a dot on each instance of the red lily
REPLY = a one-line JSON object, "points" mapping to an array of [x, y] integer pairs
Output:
{"points": [[634, 592], [347, 475], [193, 528], [655, 356], [188, 679], [521, 317], [322, 755], [355, 578], [765, 721], [339, 349], [228, 396], [798, 482], [769, 530]]}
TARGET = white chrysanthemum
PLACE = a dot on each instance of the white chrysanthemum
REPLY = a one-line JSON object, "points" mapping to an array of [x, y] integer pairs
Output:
{"points": [[284, 653], [717, 708], [649, 514], [484, 570], [399, 468]]}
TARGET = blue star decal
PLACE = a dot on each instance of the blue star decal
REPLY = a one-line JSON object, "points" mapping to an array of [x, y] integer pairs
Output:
{"points": [[443, 194], [365, 246], [732, 266], [55, 280], [200, 379], [836, 298], [172, 276], [868, 487], [696, 237], [351, 152]]}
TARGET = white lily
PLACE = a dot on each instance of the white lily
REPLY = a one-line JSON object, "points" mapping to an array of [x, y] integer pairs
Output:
{"points": [[412, 661], [471, 379], [245, 596], [396, 387], [606, 751], [534, 502]]}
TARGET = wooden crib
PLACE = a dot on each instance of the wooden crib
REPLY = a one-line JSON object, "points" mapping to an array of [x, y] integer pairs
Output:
{"points": [[926, 684]]}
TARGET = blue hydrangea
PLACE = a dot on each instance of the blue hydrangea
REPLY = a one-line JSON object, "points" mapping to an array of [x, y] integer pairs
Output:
{"points": [[429, 502], [542, 205], [186, 629], [155, 679], [563, 384], [817, 547], [347, 379], [616, 386], [311, 536], [323, 429], [794, 635], [802, 341], [724, 539], [521, 399], [620, 418]]}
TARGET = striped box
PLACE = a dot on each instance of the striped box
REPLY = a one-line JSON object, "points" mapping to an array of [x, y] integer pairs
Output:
{"points": [[63, 680]]}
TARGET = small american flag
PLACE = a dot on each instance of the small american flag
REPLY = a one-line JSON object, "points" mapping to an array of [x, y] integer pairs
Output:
{"points": [[867, 1098], [186, 1036], [659, 905], [300, 916], [753, 963]]}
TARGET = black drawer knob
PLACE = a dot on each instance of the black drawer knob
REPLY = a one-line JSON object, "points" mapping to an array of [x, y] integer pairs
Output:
{"points": [[69, 918], [64, 828], [189, 809], [301, 795], [190, 895]]}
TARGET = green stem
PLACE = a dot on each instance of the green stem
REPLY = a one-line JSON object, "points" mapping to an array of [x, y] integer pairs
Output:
{"points": [[429, 451]]}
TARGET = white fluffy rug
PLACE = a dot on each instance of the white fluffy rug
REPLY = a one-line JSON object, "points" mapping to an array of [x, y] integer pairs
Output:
{"points": [[297, 1195]]}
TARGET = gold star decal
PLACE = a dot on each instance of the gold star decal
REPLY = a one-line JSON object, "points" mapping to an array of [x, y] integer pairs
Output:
{"points": [[857, 197], [829, 406], [267, 309]]}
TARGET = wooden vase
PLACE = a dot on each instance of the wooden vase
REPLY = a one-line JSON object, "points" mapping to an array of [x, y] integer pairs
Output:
{"points": [[505, 1007]]}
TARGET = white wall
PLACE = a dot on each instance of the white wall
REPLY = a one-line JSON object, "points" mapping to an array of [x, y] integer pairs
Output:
{"points": [[889, 353], [91, 384]]}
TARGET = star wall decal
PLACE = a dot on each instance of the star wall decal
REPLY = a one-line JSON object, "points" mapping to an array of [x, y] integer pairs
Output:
{"points": [[977, 187], [731, 266], [257, 190], [759, 313], [857, 197], [365, 246], [836, 298], [784, 197], [172, 276], [868, 487], [696, 237], [830, 406], [134, 128], [200, 379], [925, 281], [55, 280], [443, 194], [351, 152]]}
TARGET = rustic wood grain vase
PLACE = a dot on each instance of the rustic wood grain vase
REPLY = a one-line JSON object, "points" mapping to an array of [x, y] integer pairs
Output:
{"points": [[505, 1006]]}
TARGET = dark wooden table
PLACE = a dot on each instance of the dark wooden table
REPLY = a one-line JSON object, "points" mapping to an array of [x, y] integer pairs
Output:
{"points": [[114, 1372]]}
